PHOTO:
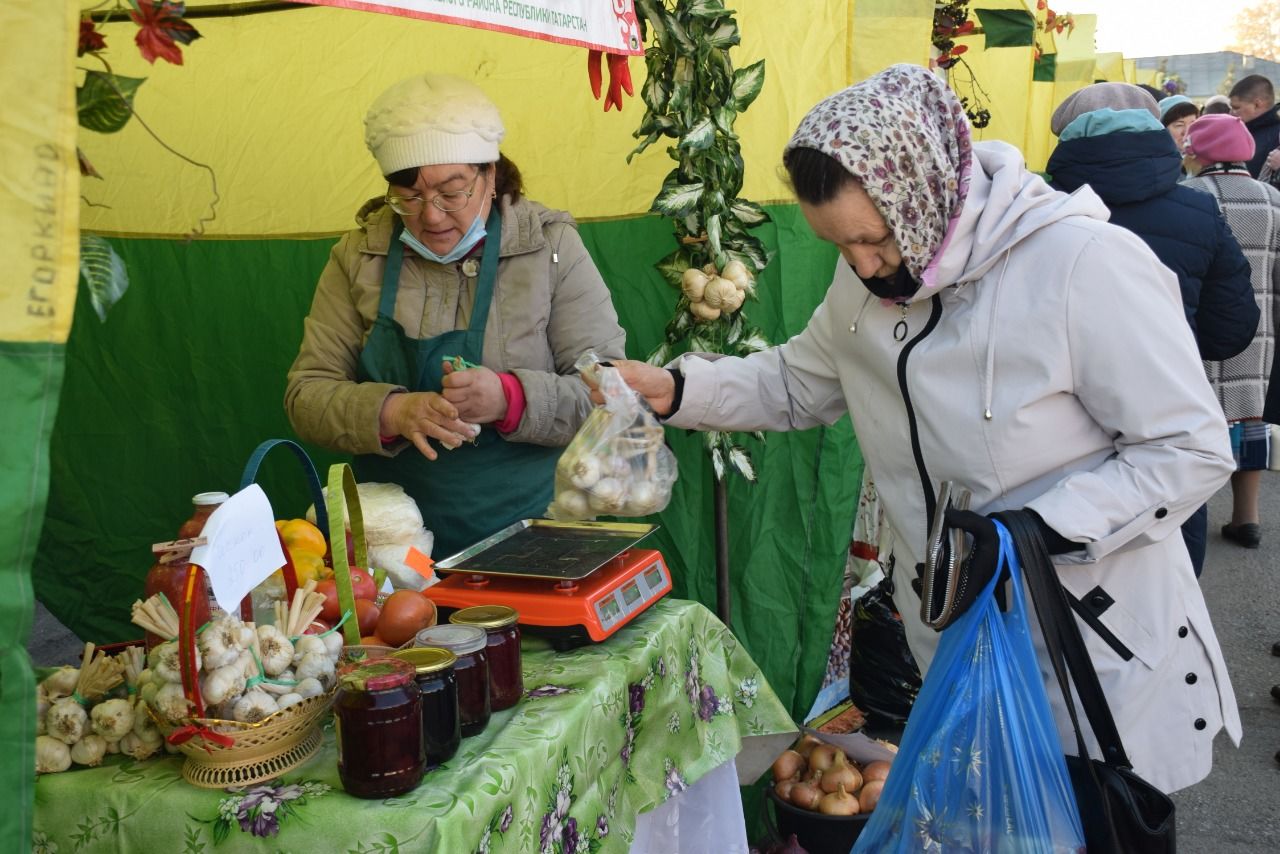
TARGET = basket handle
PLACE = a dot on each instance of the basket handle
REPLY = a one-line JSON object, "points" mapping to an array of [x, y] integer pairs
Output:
{"points": [[308, 469], [344, 496]]}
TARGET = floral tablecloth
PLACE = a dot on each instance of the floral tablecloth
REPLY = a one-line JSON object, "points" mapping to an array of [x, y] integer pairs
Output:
{"points": [[605, 732]]}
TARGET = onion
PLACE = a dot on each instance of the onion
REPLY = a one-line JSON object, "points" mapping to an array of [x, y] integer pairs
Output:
{"points": [[737, 272], [703, 312], [841, 775], [823, 757], [838, 802], [806, 744], [789, 764], [783, 787], [870, 795], [878, 770], [806, 795], [716, 291], [693, 283]]}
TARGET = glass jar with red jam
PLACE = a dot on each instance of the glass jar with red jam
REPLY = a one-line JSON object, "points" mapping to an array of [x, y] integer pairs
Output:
{"points": [[169, 574], [469, 644], [377, 721], [439, 688], [506, 680]]}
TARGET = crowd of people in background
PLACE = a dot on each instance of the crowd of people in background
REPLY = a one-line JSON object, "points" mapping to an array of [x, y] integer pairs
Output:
{"points": [[1200, 185]]}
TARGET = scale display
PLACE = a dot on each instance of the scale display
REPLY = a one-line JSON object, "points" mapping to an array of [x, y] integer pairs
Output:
{"points": [[537, 548], [642, 590]]}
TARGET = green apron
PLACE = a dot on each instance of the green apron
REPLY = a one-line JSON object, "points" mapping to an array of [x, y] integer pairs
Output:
{"points": [[471, 492]]}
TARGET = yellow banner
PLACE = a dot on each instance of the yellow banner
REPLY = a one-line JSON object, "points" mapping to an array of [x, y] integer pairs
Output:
{"points": [[274, 105], [39, 209]]}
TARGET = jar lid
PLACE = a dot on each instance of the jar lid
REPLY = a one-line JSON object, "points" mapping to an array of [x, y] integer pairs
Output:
{"points": [[461, 639], [485, 616], [426, 659], [204, 499], [375, 675]]}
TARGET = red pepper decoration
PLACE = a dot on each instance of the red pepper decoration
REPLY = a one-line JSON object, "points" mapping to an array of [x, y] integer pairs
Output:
{"points": [[619, 78], [593, 72]]}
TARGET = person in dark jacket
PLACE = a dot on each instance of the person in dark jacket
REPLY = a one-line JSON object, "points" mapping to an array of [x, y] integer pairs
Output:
{"points": [[1110, 137], [1253, 101]]}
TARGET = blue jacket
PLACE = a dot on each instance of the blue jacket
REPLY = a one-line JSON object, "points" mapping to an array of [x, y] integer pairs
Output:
{"points": [[1136, 174]]}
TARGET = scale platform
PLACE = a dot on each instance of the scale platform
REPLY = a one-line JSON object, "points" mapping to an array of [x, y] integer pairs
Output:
{"points": [[572, 582]]}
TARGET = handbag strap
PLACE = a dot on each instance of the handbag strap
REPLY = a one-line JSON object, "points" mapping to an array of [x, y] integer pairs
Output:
{"points": [[1064, 642]]}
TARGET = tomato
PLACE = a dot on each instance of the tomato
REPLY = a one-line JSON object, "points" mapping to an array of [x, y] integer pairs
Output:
{"points": [[362, 585], [404, 614], [317, 627], [373, 640], [367, 613], [331, 611]]}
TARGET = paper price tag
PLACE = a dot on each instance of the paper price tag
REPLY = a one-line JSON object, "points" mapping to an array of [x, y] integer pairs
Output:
{"points": [[242, 547]]}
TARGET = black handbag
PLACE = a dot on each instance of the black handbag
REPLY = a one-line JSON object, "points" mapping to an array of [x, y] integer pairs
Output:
{"points": [[1121, 813]]}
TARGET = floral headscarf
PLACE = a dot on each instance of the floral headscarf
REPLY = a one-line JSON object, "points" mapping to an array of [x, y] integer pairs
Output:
{"points": [[904, 136]]}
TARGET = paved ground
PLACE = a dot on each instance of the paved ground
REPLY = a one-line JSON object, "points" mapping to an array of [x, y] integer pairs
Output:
{"points": [[1237, 809]]}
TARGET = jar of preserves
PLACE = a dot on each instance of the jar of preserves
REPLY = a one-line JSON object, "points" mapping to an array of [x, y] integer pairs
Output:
{"points": [[169, 573], [433, 668], [377, 722], [506, 679], [469, 644]]}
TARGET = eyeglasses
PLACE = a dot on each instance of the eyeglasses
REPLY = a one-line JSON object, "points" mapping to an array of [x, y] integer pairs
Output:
{"points": [[447, 202]]}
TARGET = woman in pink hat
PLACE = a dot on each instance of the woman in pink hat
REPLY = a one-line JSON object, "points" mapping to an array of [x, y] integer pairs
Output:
{"points": [[1222, 145]]}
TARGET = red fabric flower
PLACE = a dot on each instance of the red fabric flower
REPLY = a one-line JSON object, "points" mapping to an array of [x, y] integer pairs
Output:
{"points": [[160, 28], [90, 39]]}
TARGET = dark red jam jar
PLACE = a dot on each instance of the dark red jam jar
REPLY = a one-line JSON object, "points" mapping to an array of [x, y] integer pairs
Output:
{"points": [[506, 680], [469, 644], [377, 720], [439, 688]]}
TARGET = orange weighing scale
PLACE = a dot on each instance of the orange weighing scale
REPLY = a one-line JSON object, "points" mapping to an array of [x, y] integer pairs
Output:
{"points": [[571, 582]]}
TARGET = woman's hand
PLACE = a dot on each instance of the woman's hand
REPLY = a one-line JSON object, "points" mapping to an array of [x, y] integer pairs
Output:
{"points": [[476, 393], [1273, 160], [419, 416], [655, 385]]}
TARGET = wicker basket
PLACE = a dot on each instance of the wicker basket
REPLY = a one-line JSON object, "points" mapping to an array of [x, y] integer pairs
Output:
{"points": [[276, 744]]}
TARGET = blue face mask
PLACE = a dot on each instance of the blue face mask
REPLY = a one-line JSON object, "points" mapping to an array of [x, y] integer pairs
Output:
{"points": [[474, 235]]}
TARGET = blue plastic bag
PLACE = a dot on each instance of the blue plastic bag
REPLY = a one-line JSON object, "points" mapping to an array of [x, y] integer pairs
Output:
{"points": [[980, 767]]}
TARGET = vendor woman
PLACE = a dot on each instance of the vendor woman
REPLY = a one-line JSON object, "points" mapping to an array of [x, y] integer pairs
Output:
{"points": [[441, 341]]}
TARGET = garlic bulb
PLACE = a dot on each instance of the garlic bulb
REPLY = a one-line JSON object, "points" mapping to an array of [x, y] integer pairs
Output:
{"points": [[703, 313], [318, 666], [308, 644], [737, 272], [222, 683], [245, 635], [275, 649], [61, 683], [42, 708], [144, 726], [642, 499], [287, 700], [573, 503], [694, 283], [333, 643], [717, 290], [66, 721], [52, 755], [584, 471], [114, 746], [166, 664], [608, 495], [170, 703], [138, 747], [254, 706], [219, 644], [308, 688], [732, 301], [89, 750], [112, 720]]}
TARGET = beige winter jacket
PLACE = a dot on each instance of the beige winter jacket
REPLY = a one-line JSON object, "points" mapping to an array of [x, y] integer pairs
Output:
{"points": [[549, 306]]}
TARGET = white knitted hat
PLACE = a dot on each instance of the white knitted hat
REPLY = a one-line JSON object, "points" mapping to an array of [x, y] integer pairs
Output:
{"points": [[431, 119]]}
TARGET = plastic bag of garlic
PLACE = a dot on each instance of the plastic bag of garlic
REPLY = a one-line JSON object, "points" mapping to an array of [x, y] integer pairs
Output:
{"points": [[618, 464]]}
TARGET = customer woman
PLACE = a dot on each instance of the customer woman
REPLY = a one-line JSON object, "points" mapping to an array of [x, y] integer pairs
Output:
{"points": [[987, 330], [1221, 146], [440, 345]]}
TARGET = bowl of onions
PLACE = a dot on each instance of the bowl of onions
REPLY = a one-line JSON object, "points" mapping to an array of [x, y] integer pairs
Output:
{"points": [[822, 796]]}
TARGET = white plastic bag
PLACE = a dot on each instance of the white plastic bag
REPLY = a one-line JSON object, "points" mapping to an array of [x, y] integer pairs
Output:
{"points": [[618, 464]]}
